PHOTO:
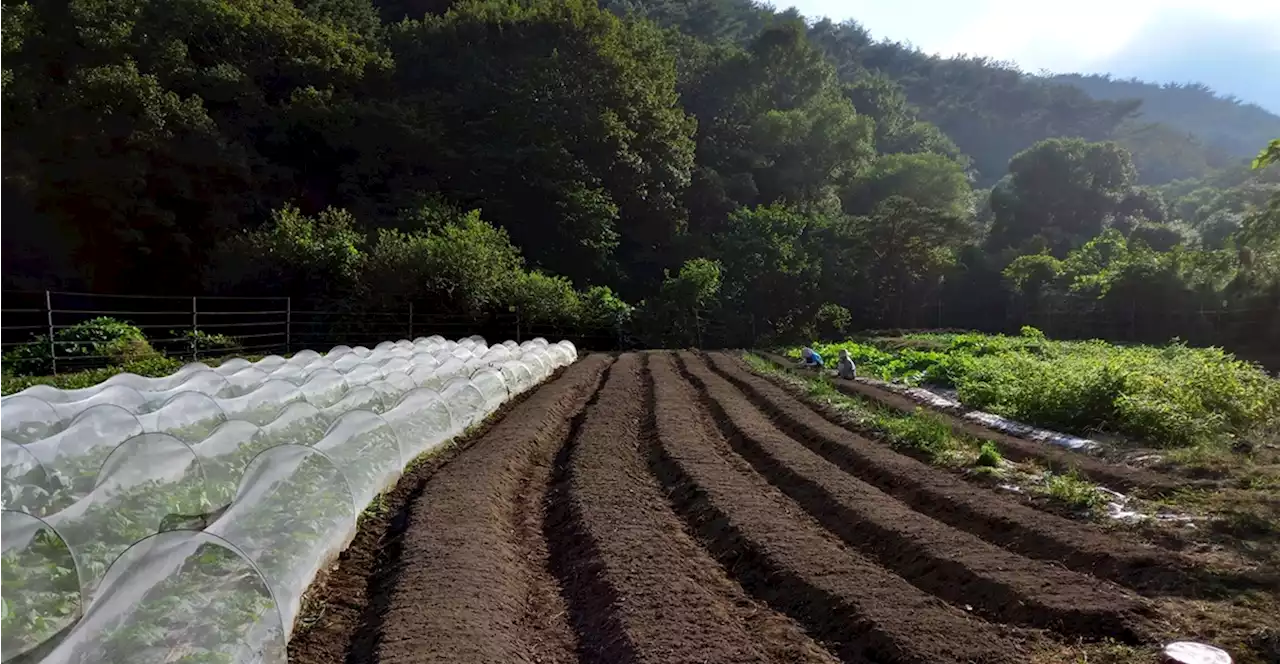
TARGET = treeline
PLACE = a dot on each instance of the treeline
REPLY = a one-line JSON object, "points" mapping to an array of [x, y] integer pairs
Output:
{"points": [[686, 172]]}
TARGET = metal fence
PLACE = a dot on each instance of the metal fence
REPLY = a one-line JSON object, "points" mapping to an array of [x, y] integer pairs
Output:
{"points": [[264, 325], [180, 326]]}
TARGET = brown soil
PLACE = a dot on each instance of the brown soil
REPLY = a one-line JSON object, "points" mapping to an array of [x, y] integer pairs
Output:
{"points": [[998, 519], [640, 590], [1114, 476], [950, 563], [649, 508]]}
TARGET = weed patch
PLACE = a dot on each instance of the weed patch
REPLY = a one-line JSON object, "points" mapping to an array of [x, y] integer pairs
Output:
{"points": [[1171, 396]]}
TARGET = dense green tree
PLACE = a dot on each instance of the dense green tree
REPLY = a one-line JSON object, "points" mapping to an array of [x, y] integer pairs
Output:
{"points": [[931, 180], [1062, 191], [557, 118]]}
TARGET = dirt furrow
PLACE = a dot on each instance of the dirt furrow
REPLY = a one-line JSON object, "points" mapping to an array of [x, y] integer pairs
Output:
{"points": [[773, 548], [1115, 476], [638, 589], [468, 585], [952, 500], [954, 565]]}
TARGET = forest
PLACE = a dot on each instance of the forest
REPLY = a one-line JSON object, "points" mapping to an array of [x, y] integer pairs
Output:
{"points": [[710, 172]]}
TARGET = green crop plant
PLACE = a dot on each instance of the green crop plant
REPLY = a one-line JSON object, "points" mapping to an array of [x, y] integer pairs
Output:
{"points": [[1165, 396]]}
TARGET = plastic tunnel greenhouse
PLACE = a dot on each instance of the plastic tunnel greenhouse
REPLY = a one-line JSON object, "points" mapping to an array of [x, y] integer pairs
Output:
{"points": [[183, 517]]}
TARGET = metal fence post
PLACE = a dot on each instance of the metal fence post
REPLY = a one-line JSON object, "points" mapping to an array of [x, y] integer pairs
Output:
{"points": [[195, 331], [53, 348], [288, 325], [410, 321]]}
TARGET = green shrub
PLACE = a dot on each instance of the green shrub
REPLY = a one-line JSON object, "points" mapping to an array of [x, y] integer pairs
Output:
{"points": [[155, 366], [98, 341], [989, 455], [191, 342], [1073, 491]]}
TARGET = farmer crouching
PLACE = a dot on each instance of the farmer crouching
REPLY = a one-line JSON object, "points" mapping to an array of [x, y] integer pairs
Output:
{"points": [[845, 368], [810, 359]]}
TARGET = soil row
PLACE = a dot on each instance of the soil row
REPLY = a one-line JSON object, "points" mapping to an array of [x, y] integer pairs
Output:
{"points": [[1114, 476], [948, 562], [639, 589], [950, 499], [468, 584], [783, 557]]}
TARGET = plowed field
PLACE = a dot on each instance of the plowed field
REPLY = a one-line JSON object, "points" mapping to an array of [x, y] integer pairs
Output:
{"points": [[673, 507]]}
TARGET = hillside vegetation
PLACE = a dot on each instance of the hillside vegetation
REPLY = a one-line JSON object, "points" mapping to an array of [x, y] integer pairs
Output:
{"points": [[683, 172]]}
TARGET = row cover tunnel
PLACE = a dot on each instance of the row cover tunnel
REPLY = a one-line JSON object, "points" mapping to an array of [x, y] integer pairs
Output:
{"points": [[152, 518]]}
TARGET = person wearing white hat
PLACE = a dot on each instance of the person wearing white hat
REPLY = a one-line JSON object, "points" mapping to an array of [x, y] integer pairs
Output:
{"points": [[845, 368]]}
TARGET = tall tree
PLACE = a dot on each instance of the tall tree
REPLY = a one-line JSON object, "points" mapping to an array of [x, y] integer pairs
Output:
{"points": [[1061, 191]]}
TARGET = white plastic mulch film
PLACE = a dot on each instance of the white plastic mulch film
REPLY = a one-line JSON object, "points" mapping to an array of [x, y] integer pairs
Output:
{"points": [[181, 518]]}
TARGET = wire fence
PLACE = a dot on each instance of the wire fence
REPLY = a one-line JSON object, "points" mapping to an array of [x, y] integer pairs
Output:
{"points": [[203, 326], [189, 327]]}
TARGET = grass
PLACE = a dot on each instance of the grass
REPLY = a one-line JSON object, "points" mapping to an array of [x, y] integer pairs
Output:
{"points": [[989, 455], [1237, 527], [1073, 491], [921, 433], [926, 436], [1173, 396]]}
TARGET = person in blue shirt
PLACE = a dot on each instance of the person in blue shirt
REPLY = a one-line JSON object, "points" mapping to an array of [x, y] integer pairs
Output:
{"points": [[810, 358]]}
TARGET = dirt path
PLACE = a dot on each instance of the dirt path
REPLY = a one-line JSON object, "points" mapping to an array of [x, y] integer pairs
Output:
{"points": [[659, 508]]}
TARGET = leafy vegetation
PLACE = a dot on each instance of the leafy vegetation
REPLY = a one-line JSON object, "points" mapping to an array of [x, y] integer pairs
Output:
{"points": [[927, 436], [589, 164], [1174, 396], [103, 338]]}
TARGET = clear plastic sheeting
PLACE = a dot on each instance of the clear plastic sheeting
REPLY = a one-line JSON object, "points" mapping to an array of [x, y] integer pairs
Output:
{"points": [[24, 419], [179, 596], [187, 416], [324, 388], [73, 457], [263, 404], [26, 483], [138, 509], [466, 402], [149, 483], [421, 421], [42, 589], [291, 503], [366, 449], [492, 385]]}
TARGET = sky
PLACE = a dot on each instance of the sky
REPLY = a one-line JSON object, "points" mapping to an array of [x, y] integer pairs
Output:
{"points": [[1233, 46]]}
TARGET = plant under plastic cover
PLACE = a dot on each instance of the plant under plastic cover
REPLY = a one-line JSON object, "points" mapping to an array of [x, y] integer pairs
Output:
{"points": [[41, 581], [25, 482], [293, 512], [366, 448], [179, 596], [149, 483], [188, 416], [517, 376], [465, 401], [103, 484], [324, 387], [422, 421], [243, 381], [73, 457], [24, 419], [492, 385], [263, 404]]}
